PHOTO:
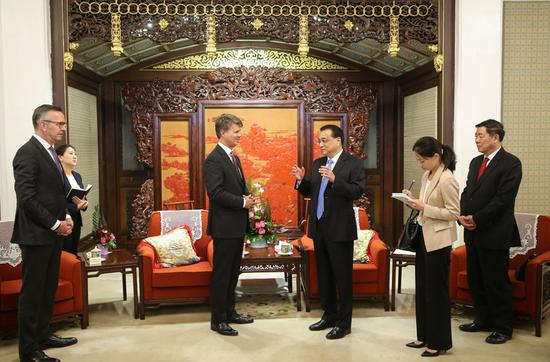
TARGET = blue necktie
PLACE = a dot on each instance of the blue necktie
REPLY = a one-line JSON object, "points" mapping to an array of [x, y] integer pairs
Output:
{"points": [[321, 198]]}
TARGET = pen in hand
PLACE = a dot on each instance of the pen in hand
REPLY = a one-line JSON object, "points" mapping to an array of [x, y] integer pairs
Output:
{"points": [[411, 185]]}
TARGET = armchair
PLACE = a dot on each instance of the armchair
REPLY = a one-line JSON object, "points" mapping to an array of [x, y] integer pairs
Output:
{"points": [[370, 279], [182, 284], [530, 296], [70, 302]]}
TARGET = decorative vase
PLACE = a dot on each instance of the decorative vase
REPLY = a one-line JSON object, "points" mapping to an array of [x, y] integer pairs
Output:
{"points": [[258, 242], [104, 251]]}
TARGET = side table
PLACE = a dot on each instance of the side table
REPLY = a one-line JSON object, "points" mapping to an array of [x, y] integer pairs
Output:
{"points": [[118, 261], [399, 259]]}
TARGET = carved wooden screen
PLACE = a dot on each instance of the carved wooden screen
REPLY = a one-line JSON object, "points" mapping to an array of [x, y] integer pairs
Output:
{"points": [[270, 144], [173, 171]]}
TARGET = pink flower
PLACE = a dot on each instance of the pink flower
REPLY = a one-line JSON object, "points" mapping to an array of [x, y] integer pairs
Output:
{"points": [[251, 214], [260, 224], [103, 240], [261, 231]]}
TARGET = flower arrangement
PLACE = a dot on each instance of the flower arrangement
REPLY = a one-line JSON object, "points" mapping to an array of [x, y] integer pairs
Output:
{"points": [[103, 238], [262, 229]]}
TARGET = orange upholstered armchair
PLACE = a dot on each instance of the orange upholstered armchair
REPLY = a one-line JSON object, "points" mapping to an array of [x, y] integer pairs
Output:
{"points": [[182, 284], [370, 279], [70, 304], [530, 296]]}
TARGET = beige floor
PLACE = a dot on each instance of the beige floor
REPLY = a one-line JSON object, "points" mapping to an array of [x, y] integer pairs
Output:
{"points": [[181, 333]]}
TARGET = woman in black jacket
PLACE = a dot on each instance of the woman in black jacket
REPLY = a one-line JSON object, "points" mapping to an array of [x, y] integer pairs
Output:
{"points": [[68, 159]]}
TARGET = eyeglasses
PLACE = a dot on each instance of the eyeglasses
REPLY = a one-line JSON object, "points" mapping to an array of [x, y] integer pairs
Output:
{"points": [[323, 141], [58, 124]]}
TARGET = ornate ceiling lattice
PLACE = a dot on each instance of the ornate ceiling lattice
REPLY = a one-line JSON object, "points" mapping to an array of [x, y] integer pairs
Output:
{"points": [[168, 28], [146, 32], [249, 58]]}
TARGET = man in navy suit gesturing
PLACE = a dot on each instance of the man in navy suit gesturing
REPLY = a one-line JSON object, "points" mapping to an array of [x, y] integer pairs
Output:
{"points": [[335, 181]]}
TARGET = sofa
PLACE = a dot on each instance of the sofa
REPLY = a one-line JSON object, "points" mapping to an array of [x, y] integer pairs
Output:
{"points": [[181, 284], [369, 279], [70, 301], [530, 296]]}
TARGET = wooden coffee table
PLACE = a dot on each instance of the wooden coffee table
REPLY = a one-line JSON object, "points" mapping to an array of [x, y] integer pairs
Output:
{"points": [[267, 260], [118, 261]]}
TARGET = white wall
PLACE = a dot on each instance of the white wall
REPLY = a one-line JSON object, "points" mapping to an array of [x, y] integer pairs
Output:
{"points": [[478, 74], [25, 82]]}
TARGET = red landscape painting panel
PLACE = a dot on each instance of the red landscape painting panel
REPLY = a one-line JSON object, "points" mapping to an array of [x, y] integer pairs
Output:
{"points": [[268, 150], [174, 153]]}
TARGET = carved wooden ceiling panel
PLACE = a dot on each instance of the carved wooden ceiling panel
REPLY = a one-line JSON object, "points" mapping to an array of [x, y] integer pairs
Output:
{"points": [[149, 36]]}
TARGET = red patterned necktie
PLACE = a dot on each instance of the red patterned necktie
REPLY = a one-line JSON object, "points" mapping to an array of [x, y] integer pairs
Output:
{"points": [[482, 168], [234, 161]]}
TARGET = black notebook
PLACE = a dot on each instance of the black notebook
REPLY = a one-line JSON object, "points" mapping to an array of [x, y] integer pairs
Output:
{"points": [[78, 192]]}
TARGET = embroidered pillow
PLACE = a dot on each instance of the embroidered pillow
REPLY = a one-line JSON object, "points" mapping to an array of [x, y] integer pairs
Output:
{"points": [[361, 246], [174, 248]]}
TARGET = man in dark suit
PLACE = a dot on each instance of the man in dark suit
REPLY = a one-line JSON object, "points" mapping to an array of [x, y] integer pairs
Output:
{"points": [[41, 222], [227, 222], [490, 229], [335, 181]]}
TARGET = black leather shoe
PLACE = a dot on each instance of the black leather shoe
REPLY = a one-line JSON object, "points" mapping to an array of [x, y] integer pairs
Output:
{"points": [[38, 356], [338, 332], [54, 341], [497, 338], [413, 344], [224, 329], [427, 353], [473, 327], [240, 319], [322, 324]]}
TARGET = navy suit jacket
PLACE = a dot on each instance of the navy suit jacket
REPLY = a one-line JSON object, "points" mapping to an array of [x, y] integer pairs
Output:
{"points": [[227, 218], [349, 185], [491, 201], [40, 191]]}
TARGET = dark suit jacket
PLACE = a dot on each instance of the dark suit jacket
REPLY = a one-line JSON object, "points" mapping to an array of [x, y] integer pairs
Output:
{"points": [[71, 206], [349, 185], [491, 201], [227, 218], [40, 195]]}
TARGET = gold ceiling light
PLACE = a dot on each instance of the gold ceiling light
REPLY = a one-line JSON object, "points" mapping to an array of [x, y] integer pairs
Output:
{"points": [[393, 47], [438, 59], [211, 36], [68, 58], [116, 35], [303, 47], [348, 24]]}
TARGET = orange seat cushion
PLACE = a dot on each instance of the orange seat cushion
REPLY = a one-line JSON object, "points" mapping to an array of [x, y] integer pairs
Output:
{"points": [[365, 273], [9, 297], [518, 286], [183, 276]]}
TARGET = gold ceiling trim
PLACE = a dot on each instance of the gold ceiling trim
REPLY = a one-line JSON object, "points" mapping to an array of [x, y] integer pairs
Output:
{"points": [[145, 7], [250, 58]]}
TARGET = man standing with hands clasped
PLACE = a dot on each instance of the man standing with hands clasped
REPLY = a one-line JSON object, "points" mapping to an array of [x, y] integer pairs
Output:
{"points": [[41, 222], [335, 181], [490, 229], [227, 222]]}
